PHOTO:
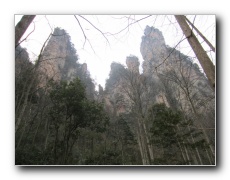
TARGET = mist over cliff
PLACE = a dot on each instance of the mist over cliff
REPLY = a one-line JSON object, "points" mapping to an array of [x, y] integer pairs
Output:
{"points": [[164, 115]]}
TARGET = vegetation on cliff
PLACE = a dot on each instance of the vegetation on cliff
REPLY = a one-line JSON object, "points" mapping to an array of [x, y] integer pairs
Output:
{"points": [[164, 115]]}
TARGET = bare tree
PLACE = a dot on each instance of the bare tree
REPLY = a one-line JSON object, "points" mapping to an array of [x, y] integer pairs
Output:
{"points": [[135, 90], [186, 78], [22, 26], [202, 56]]}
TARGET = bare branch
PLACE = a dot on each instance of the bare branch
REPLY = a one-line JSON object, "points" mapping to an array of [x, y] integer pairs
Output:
{"points": [[86, 39], [129, 25], [170, 53], [94, 27], [204, 38], [25, 37], [49, 24], [43, 46], [81, 30], [22, 26]]}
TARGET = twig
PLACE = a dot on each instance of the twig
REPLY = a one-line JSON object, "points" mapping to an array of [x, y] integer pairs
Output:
{"points": [[49, 24], [81, 30], [43, 46], [170, 53], [129, 25], [193, 26], [26, 36], [86, 39], [94, 27]]}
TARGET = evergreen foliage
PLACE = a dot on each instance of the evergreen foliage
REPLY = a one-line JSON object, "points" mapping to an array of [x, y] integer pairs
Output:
{"points": [[61, 123], [68, 112], [169, 132]]}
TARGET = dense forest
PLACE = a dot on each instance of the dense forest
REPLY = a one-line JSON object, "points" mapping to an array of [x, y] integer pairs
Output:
{"points": [[162, 116]]}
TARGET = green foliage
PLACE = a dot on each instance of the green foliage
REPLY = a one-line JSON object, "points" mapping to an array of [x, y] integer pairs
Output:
{"points": [[164, 124], [107, 157], [170, 132], [124, 131], [70, 100], [24, 75], [57, 128], [31, 156]]}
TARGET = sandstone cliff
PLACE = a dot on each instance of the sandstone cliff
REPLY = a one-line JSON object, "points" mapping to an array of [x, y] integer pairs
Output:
{"points": [[59, 61], [168, 77]]}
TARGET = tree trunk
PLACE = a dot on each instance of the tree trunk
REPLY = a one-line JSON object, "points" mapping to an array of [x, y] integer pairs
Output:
{"points": [[197, 151], [22, 26], [142, 145], [201, 35], [148, 142], [19, 119], [202, 56]]}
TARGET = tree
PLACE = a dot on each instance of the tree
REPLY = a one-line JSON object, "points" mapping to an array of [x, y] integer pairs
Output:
{"points": [[71, 111], [192, 99], [59, 122], [135, 91], [170, 136], [67, 115], [202, 56], [22, 26]]}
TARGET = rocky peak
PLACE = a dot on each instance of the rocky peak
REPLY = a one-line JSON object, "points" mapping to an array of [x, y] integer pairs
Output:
{"points": [[153, 33], [84, 68], [153, 48], [100, 89], [133, 63], [54, 56]]}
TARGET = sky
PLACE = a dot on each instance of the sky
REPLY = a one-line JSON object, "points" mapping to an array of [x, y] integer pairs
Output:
{"points": [[111, 38]]}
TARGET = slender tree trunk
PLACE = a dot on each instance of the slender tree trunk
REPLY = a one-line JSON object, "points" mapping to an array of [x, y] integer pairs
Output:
{"points": [[22, 26], [199, 123], [207, 139], [186, 152], [209, 158], [148, 142], [142, 145], [197, 151], [36, 132], [202, 56], [122, 153], [182, 153], [204, 38], [46, 140], [180, 146], [22, 134], [140, 148], [55, 145], [144, 142], [19, 119], [194, 157], [92, 146]]}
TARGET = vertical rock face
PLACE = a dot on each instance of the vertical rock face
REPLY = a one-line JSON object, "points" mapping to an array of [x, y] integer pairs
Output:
{"points": [[84, 68], [152, 48], [21, 60], [132, 63], [113, 97], [59, 58], [182, 83], [100, 89], [54, 55], [168, 77], [59, 62], [161, 59]]}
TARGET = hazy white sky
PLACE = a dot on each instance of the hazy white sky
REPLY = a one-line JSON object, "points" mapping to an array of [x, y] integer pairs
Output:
{"points": [[120, 45]]}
